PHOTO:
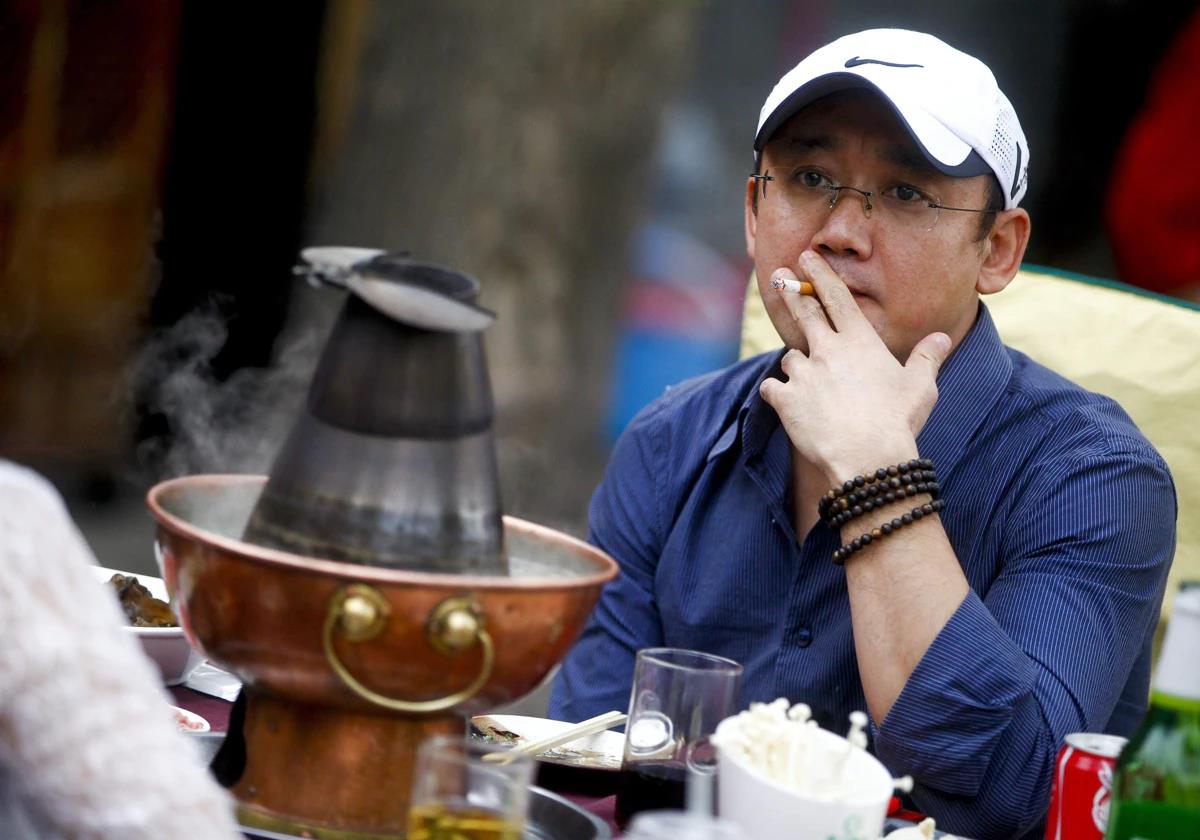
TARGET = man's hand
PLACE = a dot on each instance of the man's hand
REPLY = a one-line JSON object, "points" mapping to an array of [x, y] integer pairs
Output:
{"points": [[849, 405]]}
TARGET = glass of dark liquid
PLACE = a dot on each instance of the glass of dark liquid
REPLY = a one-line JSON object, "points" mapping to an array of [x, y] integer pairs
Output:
{"points": [[677, 700]]}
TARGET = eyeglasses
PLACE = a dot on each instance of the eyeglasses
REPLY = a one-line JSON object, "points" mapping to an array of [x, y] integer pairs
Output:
{"points": [[809, 192]]}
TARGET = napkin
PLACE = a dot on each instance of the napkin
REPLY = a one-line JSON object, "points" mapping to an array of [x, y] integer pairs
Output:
{"points": [[209, 679]]}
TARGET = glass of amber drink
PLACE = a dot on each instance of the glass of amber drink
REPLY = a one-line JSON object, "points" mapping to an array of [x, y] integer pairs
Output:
{"points": [[458, 795]]}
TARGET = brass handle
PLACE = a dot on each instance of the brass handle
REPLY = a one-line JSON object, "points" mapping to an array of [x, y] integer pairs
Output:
{"points": [[360, 613]]}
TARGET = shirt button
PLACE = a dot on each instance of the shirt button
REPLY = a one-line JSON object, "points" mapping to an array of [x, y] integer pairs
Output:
{"points": [[804, 637]]}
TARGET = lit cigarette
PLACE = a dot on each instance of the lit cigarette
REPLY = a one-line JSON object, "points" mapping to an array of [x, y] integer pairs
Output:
{"points": [[798, 287]]}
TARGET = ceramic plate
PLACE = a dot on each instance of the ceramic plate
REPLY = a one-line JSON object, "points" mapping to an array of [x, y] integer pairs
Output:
{"points": [[601, 751], [167, 646], [190, 721]]}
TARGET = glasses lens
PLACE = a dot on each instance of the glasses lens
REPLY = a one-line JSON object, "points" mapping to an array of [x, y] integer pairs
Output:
{"points": [[913, 214], [808, 198]]}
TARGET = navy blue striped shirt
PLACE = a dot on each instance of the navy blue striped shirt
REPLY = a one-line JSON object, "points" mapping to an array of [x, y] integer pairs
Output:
{"points": [[1060, 512]]}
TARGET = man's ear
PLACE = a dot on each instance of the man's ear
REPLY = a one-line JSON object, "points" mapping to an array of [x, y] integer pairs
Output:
{"points": [[751, 211], [1004, 248]]}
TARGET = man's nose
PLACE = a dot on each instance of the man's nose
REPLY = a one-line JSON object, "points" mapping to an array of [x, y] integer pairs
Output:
{"points": [[847, 227]]}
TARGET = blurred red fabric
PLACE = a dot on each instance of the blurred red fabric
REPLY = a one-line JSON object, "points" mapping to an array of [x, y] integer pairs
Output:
{"points": [[1153, 204]]}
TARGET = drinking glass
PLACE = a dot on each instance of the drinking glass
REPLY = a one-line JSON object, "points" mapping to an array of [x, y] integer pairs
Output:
{"points": [[460, 794], [677, 700]]}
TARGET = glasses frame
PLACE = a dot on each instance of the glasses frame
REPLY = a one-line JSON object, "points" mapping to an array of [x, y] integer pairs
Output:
{"points": [[836, 191]]}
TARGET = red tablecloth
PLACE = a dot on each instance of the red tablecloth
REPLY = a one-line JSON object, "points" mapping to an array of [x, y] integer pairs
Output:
{"points": [[212, 709]]}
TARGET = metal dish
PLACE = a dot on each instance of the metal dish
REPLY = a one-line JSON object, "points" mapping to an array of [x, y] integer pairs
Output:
{"points": [[551, 817], [600, 751]]}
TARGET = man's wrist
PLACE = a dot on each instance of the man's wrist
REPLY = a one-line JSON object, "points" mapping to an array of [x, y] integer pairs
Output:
{"points": [[846, 466]]}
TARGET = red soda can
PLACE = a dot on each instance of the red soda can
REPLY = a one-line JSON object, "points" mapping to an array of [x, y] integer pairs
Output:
{"points": [[1079, 796]]}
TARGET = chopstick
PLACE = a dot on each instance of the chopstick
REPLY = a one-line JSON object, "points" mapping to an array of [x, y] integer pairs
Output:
{"points": [[587, 727]]}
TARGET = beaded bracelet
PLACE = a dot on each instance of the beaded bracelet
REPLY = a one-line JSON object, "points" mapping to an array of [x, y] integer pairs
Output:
{"points": [[841, 555], [862, 494]]}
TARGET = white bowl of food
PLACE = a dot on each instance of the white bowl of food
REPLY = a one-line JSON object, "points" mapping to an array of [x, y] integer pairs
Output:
{"points": [[785, 780], [145, 603]]}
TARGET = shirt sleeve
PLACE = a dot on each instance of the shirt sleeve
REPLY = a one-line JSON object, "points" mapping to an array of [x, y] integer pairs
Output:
{"points": [[1048, 649], [624, 520]]}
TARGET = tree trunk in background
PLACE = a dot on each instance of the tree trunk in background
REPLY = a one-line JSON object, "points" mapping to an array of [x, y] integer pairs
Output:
{"points": [[511, 140], [85, 92]]}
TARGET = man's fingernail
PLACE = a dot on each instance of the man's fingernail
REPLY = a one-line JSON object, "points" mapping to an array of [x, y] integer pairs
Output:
{"points": [[808, 257]]}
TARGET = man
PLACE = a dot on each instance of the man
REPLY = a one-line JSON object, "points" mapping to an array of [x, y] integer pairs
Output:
{"points": [[889, 168]]}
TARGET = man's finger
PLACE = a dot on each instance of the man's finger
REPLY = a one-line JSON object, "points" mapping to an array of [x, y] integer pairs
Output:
{"points": [[929, 354], [769, 389], [805, 310], [840, 307], [791, 363]]}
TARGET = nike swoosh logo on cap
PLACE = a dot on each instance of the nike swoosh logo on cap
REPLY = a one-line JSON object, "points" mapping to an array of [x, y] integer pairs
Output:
{"points": [[856, 61], [1016, 175]]}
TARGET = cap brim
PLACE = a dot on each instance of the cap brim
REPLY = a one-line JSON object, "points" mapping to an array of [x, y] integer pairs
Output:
{"points": [[809, 92]]}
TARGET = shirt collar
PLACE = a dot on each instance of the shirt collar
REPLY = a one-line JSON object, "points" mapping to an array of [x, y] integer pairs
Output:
{"points": [[755, 420], [969, 384]]}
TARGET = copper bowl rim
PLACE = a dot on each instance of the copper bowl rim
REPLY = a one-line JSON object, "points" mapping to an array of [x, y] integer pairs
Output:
{"points": [[374, 574]]}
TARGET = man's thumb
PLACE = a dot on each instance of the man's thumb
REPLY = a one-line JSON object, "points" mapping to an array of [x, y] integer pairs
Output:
{"points": [[930, 352]]}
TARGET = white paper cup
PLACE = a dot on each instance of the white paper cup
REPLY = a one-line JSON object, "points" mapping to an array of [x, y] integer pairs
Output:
{"points": [[765, 810]]}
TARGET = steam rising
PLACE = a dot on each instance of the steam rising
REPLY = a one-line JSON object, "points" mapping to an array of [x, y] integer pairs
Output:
{"points": [[236, 425]]}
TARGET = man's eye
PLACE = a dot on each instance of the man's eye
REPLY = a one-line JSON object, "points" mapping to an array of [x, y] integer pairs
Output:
{"points": [[908, 194], [810, 178]]}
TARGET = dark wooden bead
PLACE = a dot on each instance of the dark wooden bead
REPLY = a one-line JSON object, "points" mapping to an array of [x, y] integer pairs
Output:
{"points": [[927, 463], [856, 543], [897, 524], [922, 487], [859, 481], [847, 486], [868, 506], [893, 471], [910, 489], [890, 496], [881, 473], [886, 527], [914, 464], [893, 482], [907, 519], [857, 510], [917, 513], [843, 504], [927, 510]]}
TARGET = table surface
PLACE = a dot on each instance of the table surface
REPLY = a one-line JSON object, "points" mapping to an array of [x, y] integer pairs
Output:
{"points": [[216, 712]]}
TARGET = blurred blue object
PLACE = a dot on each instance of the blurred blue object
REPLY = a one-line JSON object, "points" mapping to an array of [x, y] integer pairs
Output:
{"points": [[649, 361], [681, 318]]}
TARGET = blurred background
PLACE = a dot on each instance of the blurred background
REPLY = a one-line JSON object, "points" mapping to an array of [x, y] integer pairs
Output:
{"points": [[163, 161]]}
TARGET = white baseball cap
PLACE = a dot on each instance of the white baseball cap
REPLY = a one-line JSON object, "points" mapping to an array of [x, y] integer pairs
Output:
{"points": [[949, 102]]}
